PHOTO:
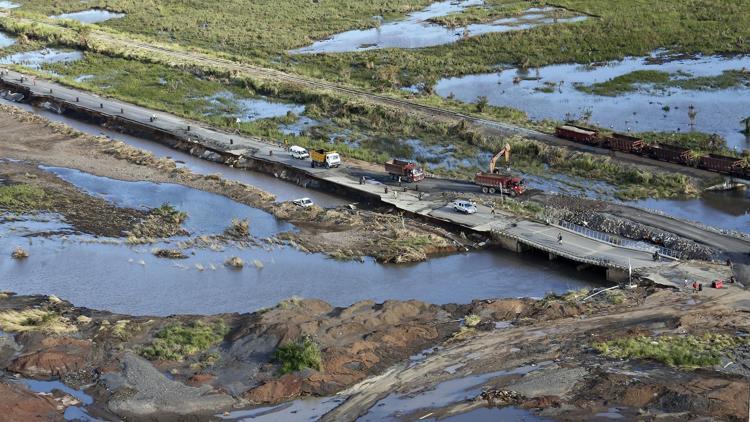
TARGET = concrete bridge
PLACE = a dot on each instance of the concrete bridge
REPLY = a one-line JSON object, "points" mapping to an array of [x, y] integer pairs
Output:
{"points": [[513, 233]]}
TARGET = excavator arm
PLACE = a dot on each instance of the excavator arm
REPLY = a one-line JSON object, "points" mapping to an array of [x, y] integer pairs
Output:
{"points": [[505, 151]]}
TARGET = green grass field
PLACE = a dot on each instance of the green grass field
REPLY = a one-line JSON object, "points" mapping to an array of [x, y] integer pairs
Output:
{"points": [[264, 30]]}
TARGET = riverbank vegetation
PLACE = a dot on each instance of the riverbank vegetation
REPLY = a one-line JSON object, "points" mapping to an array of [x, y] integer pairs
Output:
{"points": [[684, 351]]}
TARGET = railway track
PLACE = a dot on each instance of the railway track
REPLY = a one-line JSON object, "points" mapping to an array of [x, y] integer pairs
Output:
{"points": [[427, 111]]}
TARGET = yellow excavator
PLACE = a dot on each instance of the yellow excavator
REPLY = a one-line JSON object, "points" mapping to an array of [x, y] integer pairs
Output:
{"points": [[506, 152]]}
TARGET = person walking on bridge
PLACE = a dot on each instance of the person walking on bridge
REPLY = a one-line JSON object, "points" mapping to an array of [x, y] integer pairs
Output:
{"points": [[559, 238]]}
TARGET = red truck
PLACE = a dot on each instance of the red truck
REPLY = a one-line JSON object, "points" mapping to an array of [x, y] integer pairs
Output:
{"points": [[492, 183], [408, 171]]}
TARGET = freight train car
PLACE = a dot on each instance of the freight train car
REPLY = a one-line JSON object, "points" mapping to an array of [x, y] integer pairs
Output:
{"points": [[578, 134], [672, 154], [721, 164], [625, 143]]}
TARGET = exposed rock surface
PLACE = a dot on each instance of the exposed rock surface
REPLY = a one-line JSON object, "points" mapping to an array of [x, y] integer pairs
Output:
{"points": [[142, 391], [54, 357]]}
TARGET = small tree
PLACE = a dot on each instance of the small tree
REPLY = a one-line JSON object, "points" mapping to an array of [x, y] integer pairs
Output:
{"points": [[482, 103], [298, 355]]}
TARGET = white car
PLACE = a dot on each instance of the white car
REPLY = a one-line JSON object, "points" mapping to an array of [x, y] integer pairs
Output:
{"points": [[298, 152], [303, 202], [464, 207]]}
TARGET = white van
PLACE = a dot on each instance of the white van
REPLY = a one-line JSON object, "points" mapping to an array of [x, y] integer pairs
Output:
{"points": [[298, 152]]}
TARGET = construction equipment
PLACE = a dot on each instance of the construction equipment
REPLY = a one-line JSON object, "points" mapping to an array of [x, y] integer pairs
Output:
{"points": [[408, 171], [493, 181], [506, 152]]}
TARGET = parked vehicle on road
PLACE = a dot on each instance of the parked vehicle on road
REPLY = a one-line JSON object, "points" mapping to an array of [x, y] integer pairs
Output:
{"points": [[323, 158], [408, 171], [464, 207], [499, 183], [303, 202], [298, 152]]}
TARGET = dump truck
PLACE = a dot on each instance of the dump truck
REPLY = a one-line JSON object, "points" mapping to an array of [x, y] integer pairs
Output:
{"points": [[408, 171], [323, 158], [499, 183]]}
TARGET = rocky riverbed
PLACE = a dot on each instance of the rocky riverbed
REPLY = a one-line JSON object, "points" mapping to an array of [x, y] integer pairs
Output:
{"points": [[541, 355]]}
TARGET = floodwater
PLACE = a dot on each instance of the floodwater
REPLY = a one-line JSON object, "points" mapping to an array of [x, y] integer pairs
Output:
{"points": [[6, 40], [208, 213], [8, 5], [416, 31], [725, 210], [90, 16], [36, 59], [719, 111], [250, 109], [130, 280]]}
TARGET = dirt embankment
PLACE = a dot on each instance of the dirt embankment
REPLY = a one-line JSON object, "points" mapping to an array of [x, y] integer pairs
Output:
{"points": [[340, 233]]}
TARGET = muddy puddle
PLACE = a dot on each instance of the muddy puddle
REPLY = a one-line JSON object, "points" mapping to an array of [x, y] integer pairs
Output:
{"points": [[416, 31], [304, 410], [36, 59], [6, 40], [72, 413], [90, 16], [448, 392], [249, 109], [551, 93], [5, 5]]}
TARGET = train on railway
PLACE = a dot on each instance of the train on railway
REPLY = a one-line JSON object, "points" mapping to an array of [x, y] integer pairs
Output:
{"points": [[730, 166]]}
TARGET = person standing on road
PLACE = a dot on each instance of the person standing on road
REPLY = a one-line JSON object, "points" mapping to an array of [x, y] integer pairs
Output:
{"points": [[695, 287], [686, 284], [559, 238]]}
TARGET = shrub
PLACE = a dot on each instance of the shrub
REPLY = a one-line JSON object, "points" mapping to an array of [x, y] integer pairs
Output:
{"points": [[178, 341], [683, 351], [298, 355]]}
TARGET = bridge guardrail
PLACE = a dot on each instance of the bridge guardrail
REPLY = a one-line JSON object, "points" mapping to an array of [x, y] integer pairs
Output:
{"points": [[617, 241]]}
